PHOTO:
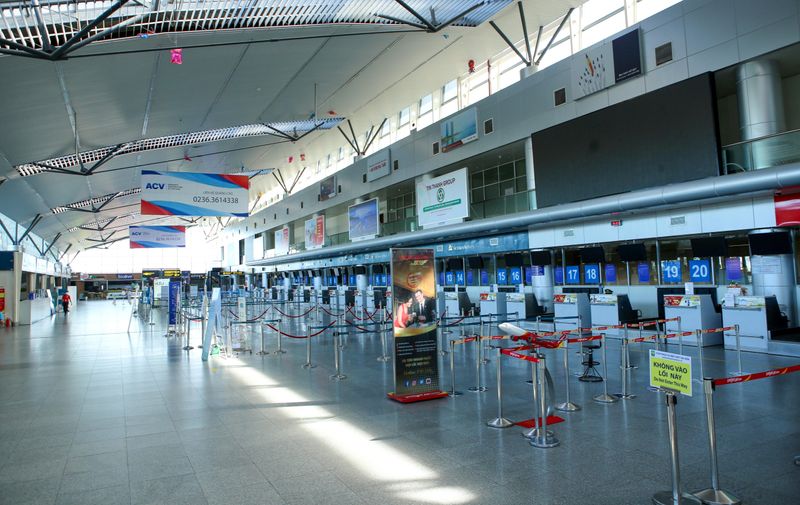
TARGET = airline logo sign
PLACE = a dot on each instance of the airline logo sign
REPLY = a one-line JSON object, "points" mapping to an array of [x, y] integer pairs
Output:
{"points": [[194, 194], [378, 166], [148, 237]]}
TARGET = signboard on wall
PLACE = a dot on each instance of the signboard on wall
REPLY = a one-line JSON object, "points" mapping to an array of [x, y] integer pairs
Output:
{"points": [[282, 241], [627, 56], [194, 194], [315, 232], [327, 188], [443, 200], [458, 130], [379, 165], [416, 368], [362, 220], [147, 237], [606, 64]]}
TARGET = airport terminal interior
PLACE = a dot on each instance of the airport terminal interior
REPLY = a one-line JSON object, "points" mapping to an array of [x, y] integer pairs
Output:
{"points": [[461, 252]]}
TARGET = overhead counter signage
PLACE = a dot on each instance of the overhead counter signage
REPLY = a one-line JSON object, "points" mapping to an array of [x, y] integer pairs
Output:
{"points": [[443, 200], [172, 273], [151, 273], [194, 194], [148, 237]]}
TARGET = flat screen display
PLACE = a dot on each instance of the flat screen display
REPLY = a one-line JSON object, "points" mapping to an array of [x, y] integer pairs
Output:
{"points": [[541, 258], [362, 219], [709, 247], [584, 158], [632, 252], [770, 243]]}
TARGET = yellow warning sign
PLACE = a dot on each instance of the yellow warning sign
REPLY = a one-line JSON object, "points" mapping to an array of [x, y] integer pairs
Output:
{"points": [[671, 371]]}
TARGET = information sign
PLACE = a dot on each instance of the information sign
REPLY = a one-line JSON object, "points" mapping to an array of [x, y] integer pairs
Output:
{"points": [[671, 371], [700, 271], [515, 275], [591, 273], [559, 275], [194, 194], [502, 276], [671, 271], [573, 274], [643, 272], [733, 268], [442, 200], [147, 237], [611, 273]]}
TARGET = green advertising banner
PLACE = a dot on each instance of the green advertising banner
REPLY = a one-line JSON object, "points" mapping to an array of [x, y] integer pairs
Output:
{"points": [[415, 325]]}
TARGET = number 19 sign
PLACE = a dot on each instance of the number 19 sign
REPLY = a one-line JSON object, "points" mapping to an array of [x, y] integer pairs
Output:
{"points": [[194, 194]]}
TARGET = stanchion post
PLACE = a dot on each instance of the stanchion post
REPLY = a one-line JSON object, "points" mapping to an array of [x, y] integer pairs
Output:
{"points": [[567, 406], [624, 357], [280, 338], [383, 357], [441, 337], [188, 346], [674, 496], [680, 336], [308, 364], [262, 352], [484, 359], [453, 391], [738, 349], [543, 439], [534, 431], [337, 360], [713, 495], [477, 388], [605, 397], [699, 338], [500, 421]]}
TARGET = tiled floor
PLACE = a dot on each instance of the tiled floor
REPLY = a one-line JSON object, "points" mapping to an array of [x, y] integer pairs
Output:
{"points": [[90, 414]]}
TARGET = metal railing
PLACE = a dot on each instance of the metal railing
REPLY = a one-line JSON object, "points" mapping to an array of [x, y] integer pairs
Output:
{"points": [[764, 152]]}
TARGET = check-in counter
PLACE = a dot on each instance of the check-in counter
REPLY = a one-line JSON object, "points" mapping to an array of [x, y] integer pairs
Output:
{"points": [[605, 312], [750, 313], [360, 300], [696, 312], [516, 303], [568, 308], [493, 303], [341, 297], [31, 311]]}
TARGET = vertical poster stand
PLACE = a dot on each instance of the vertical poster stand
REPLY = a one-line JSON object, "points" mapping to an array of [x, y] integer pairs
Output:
{"points": [[415, 326]]}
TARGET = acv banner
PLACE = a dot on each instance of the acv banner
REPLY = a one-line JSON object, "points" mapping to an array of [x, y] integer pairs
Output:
{"points": [[194, 194], [416, 366], [146, 237]]}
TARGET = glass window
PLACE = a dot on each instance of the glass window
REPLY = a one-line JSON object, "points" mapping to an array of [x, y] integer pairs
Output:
{"points": [[595, 10], [646, 8], [509, 71], [404, 117], [603, 29], [426, 104], [450, 91]]}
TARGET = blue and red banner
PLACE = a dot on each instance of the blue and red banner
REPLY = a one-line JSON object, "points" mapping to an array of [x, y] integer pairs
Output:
{"points": [[194, 194], [147, 237]]}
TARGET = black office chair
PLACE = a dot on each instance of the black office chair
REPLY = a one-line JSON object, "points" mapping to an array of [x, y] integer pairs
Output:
{"points": [[590, 373], [776, 320]]}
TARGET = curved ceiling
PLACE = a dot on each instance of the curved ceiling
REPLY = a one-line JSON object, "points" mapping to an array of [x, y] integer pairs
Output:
{"points": [[111, 94]]}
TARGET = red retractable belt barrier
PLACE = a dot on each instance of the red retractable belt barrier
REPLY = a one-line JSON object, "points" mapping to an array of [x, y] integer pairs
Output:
{"points": [[300, 336], [290, 316], [755, 376], [514, 352]]}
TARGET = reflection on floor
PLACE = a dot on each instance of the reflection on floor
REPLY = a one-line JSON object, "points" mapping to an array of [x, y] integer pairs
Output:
{"points": [[90, 414]]}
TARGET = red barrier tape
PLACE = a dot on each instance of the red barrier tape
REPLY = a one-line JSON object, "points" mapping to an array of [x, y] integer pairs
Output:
{"points": [[300, 336], [331, 313], [719, 330], [584, 339], [464, 340], [514, 353], [291, 316], [756, 376]]}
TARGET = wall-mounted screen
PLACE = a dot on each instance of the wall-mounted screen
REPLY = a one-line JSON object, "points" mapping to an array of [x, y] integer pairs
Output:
{"points": [[632, 252], [583, 158], [362, 219], [709, 247], [458, 130]]}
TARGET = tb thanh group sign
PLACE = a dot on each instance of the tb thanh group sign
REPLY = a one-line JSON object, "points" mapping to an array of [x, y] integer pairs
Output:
{"points": [[443, 200], [415, 325], [146, 237], [194, 194]]}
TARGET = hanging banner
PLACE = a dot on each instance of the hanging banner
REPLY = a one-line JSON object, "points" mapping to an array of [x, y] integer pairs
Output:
{"points": [[443, 200], [174, 297], [416, 346], [460, 129], [315, 232], [362, 220], [147, 237], [194, 194], [282, 241], [379, 165]]}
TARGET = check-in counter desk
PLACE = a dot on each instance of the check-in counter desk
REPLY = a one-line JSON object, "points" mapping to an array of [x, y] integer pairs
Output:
{"points": [[341, 297], [360, 300], [493, 303], [31, 311], [447, 303], [697, 312], [756, 317], [568, 307], [517, 303], [605, 312]]}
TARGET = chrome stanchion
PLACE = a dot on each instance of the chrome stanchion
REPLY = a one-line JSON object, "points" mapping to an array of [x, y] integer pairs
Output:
{"points": [[627, 360], [680, 336], [262, 352], [605, 397], [713, 495], [534, 431], [188, 346], [337, 359], [543, 438], [477, 388], [624, 356], [700, 339], [383, 357], [674, 497], [441, 337], [484, 359], [308, 363], [280, 338], [453, 391], [500, 421], [567, 406], [738, 350]]}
